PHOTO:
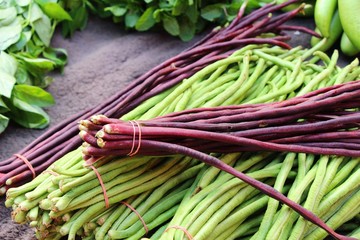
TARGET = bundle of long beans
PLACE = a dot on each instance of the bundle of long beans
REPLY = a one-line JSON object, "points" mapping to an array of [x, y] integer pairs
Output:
{"points": [[226, 208], [219, 44], [322, 122], [69, 200], [131, 197]]}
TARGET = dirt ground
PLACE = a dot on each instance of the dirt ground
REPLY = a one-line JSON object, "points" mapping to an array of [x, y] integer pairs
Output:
{"points": [[102, 59]]}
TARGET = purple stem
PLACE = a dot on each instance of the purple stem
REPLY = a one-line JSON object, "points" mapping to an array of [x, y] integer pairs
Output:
{"points": [[300, 29], [221, 138]]}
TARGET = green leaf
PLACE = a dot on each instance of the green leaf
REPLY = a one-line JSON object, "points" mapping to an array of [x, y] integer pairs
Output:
{"points": [[9, 35], [57, 55], [146, 20], [32, 49], [187, 29], [19, 45], [212, 12], [7, 16], [116, 10], [7, 83], [42, 64], [166, 5], [22, 3], [70, 4], [81, 17], [33, 95], [55, 11], [171, 25], [5, 3], [4, 121], [180, 6], [22, 75], [3, 107], [79, 22], [157, 14], [35, 12], [192, 13], [8, 64], [43, 29], [131, 19], [27, 115]]}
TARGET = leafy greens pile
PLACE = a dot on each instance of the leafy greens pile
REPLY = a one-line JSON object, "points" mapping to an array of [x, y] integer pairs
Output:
{"points": [[181, 18], [27, 27]]}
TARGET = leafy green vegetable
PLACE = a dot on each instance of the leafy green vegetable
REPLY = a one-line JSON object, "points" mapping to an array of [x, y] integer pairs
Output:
{"points": [[181, 18], [131, 19], [4, 121], [146, 21], [27, 115], [7, 83], [213, 12], [79, 15], [171, 25], [7, 16], [187, 29], [55, 11], [57, 55], [117, 10], [26, 30], [7, 63], [33, 95], [9, 35]]}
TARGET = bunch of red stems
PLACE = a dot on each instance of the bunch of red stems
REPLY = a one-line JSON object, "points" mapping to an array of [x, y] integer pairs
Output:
{"points": [[325, 121]]}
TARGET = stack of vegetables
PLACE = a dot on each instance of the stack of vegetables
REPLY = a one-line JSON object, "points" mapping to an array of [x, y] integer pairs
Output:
{"points": [[174, 196], [26, 29], [217, 45], [315, 120]]}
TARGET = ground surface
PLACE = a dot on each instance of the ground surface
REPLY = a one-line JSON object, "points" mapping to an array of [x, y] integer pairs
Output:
{"points": [[102, 59]]}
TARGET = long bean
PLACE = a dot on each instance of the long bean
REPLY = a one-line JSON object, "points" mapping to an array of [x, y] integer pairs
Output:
{"points": [[156, 197], [300, 226], [273, 205], [239, 217], [345, 213], [170, 204]]}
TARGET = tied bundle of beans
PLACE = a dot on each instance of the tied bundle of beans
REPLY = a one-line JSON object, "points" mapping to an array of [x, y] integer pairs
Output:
{"points": [[321, 122], [69, 198], [219, 44], [332, 111], [224, 207], [67, 195]]}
